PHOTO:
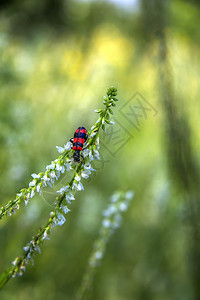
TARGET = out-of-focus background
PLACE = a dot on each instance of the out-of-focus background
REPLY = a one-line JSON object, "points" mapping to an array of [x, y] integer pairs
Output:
{"points": [[57, 59]]}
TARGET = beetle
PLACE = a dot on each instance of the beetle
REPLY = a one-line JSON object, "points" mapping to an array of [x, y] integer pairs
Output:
{"points": [[80, 137]]}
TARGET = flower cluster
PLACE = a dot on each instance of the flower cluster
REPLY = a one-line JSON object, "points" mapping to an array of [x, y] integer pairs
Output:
{"points": [[119, 202], [64, 163]]}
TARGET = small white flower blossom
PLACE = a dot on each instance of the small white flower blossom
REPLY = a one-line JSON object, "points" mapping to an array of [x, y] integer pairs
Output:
{"points": [[77, 186], [68, 166], [114, 198], [50, 167], [96, 154], [63, 189], [97, 143], [23, 268], [59, 220], [77, 177], [106, 223], [123, 206], [98, 254], [37, 249], [65, 209], [53, 175], [109, 211], [86, 152], [68, 146], [14, 263], [60, 149], [69, 196], [88, 167], [45, 235], [32, 194], [93, 134], [129, 195], [19, 195], [26, 248], [38, 189], [85, 174], [35, 175], [32, 183]]}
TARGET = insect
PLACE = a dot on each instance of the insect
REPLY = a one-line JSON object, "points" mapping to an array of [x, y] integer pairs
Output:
{"points": [[80, 137]]}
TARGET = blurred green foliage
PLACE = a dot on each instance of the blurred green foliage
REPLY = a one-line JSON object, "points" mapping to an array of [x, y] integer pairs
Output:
{"points": [[57, 60]]}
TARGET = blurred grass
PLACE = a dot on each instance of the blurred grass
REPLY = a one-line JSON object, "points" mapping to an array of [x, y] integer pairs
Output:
{"points": [[51, 85]]}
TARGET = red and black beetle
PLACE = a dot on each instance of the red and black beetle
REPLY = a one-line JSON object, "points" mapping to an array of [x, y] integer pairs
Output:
{"points": [[80, 137]]}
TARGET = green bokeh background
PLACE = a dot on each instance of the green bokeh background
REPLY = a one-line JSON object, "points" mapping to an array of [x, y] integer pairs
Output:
{"points": [[57, 61]]}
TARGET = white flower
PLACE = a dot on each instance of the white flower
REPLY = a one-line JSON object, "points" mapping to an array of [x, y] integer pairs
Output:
{"points": [[109, 211], [45, 179], [97, 143], [60, 149], [106, 223], [88, 167], [77, 186], [98, 255], [69, 196], [35, 175], [68, 166], [93, 134], [59, 219], [53, 175], [77, 177], [17, 206], [37, 249], [114, 197], [45, 235], [63, 189], [50, 167], [86, 152], [38, 189], [129, 195], [85, 174], [68, 146], [20, 273], [96, 154], [32, 183], [32, 194], [123, 206], [117, 221], [49, 183], [58, 167], [26, 248], [27, 199], [65, 209], [15, 262], [22, 267]]}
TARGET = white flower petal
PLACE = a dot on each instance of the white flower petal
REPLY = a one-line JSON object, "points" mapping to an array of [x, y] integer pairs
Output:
{"points": [[68, 146]]}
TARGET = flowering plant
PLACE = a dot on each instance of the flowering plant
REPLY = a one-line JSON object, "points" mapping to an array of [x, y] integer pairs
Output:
{"points": [[119, 202], [64, 163]]}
